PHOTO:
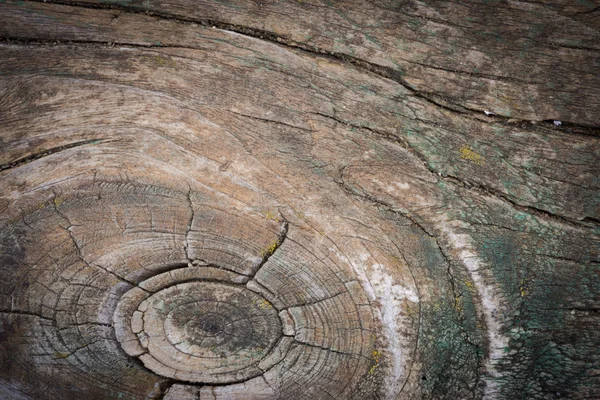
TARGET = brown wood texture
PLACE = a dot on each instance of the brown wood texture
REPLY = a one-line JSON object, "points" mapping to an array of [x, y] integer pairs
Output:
{"points": [[299, 199]]}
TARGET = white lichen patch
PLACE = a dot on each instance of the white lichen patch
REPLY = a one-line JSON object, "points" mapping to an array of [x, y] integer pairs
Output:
{"points": [[390, 295], [489, 294]]}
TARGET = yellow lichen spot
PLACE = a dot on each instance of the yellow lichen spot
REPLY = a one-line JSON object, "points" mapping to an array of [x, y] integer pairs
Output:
{"points": [[271, 216], [524, 288], [524, 291], [271, 249], [467, 153], [41, 205], [301, 216], [58, 202], [470, 286], [376, 356], [458, 304], [263, 304], [160, 61], [58, 355]]}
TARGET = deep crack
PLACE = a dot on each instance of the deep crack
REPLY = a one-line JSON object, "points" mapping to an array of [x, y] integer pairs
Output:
{"points": [[45, 153], [379, 70], [275, 246]]}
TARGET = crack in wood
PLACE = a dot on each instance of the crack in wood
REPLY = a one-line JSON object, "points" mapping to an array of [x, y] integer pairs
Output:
{"points": [[311, 303], [189, 225], [27, 313], [326, 348], [48, 152], [379, 70], [481, 189], [270, 121], [587, 222], [275, 246], [79, 250], [163, 388]]}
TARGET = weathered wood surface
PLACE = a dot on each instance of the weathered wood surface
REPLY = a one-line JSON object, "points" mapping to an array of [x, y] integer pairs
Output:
{"points": [[299, 200]]}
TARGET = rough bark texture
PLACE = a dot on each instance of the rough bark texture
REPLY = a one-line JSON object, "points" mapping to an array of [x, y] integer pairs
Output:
{"points": [[299, 199]]}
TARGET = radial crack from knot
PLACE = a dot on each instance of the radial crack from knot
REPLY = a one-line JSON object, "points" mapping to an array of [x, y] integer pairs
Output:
{"points": [[79, 250], [190, 222], [283, 231], [325, 348]]}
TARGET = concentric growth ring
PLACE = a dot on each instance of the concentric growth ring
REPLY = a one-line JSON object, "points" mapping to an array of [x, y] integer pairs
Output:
{"points": [[202, 330], [225, 303]]}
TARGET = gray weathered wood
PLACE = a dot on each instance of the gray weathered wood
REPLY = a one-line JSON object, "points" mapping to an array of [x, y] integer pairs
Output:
{"points": [[297, 199]]}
